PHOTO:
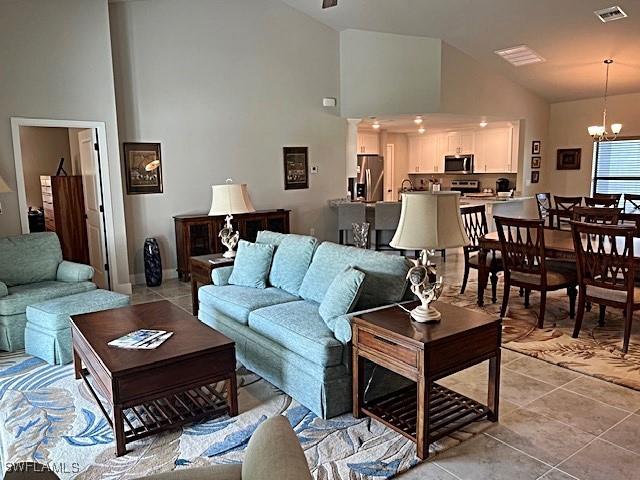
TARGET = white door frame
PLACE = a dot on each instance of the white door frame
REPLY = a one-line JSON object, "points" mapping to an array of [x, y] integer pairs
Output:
{"points": [[16, 123], [390, 171]]}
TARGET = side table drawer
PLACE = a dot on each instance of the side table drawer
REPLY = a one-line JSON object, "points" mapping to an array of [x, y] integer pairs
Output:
{"points": [[388, 348]]}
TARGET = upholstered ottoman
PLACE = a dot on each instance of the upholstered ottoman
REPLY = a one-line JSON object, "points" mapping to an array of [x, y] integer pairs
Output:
{"points": [[48, 332]]}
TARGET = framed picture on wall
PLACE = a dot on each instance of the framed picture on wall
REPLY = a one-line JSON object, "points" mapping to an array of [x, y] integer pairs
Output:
{"points": [[296, 168], [535, 176], [536, 147], [535, 162], [568, 158], [142, 168]]}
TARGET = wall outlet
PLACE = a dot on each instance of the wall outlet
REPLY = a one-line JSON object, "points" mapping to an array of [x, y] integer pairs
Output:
{"points": [[312, 231], [314, 169]]}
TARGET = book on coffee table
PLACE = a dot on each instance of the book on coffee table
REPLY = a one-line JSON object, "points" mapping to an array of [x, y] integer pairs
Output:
{"points": [[141, 339]]}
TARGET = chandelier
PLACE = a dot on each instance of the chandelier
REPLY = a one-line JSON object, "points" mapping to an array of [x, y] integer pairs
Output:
{"points": [[599, 132]]}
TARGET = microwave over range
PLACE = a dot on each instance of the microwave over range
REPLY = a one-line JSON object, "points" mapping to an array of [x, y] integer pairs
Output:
{"points": [[458, 163]]}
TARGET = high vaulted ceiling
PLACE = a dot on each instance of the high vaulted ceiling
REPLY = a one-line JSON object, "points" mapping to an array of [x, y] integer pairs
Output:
{"points": [[566, 33]]}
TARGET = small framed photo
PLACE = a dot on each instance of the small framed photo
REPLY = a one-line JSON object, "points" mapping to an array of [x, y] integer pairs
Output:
{"points": [[535, 162], [536, 147], [296, 168], [535, 176], [143, 168], [568, 158]]}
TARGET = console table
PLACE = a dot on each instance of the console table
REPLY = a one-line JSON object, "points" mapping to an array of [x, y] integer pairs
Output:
{"points": [[198, 234], [425, 352]]}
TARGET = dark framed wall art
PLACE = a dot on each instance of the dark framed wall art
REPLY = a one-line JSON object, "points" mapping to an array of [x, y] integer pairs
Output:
{"points": [[568, 158], [536, 147], [142, 168], [296, 168], [536, 162], [535, 176]]}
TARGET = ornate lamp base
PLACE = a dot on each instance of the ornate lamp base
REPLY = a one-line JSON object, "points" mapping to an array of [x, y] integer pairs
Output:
{"points": [[425, 315], [229, 254]]}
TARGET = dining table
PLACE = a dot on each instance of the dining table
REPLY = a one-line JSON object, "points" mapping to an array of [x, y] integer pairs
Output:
{"points": [[558, 245]]}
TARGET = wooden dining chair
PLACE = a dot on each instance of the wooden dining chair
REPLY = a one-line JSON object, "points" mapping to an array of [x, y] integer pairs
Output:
{"points": [[564, 209], [631, 202], [601, 202], [606, 271], [474, 220], [525, 264], [616, 196], [600, 215], [543, 200]]}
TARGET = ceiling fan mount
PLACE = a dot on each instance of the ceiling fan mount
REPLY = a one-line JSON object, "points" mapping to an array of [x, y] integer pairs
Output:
{"points": [[329, 3]]}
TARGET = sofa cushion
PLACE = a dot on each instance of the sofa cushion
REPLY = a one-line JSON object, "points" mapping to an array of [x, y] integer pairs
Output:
{"points": [[299, 327], [385, 274], [4, 291], [291, 260], [54, 314], [272, 238], [237, 302], [252, 264], [29, 258], [342, 296], [23, 295]]}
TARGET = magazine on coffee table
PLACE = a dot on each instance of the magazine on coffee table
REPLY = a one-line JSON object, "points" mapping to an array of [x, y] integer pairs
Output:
{"points": [[141, 339]]}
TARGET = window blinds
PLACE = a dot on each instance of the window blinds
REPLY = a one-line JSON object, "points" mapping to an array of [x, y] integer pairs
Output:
{"points": [[617, 167]]}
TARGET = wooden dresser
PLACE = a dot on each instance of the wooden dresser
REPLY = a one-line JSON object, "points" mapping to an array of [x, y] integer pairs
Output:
{"points": [[64, 213], [198, 234]]}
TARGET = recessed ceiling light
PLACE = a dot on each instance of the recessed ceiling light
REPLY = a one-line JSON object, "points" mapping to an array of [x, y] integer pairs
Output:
{"points": [[418, 120], [520, 55], [610, 14], [483, 124], [421, 130], [376, 124]]}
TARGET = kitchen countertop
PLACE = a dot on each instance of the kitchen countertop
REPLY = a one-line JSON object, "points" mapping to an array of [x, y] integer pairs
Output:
{"points": [[463, 201]]}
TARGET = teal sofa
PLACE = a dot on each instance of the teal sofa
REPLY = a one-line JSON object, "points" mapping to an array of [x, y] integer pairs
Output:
{"points": [[31, 271], [278, 330]]}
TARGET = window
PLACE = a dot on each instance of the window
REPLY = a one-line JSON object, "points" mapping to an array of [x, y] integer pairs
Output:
{"points": [[617, 166]]}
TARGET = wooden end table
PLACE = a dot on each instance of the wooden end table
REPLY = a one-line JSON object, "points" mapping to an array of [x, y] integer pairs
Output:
{"points": [[201, 269], [151, 391], [426, 411]]}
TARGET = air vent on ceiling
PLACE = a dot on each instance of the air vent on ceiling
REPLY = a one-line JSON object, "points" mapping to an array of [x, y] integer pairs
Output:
{"points": [[519, 56], [610, 14]]}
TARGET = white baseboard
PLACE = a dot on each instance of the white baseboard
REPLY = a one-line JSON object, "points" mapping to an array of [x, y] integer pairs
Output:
{"points": [[139, 279]]}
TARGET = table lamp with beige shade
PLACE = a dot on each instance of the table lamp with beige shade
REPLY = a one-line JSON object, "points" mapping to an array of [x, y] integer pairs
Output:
{"points": [[4, 188], [230, 199], [428, 222]]}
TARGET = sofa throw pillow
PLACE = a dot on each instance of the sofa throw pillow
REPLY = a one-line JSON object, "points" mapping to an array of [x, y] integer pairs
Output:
{"points": [[342, 295], [252, 264]]}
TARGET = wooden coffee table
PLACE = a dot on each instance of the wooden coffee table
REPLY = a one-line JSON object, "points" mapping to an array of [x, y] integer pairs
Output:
{"points": [[150, 391], [426, 411]]}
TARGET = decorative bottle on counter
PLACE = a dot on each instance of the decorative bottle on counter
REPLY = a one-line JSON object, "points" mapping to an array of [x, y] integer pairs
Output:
{"points": [[152, 263]]}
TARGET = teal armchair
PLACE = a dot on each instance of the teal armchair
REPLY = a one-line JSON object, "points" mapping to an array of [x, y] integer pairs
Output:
{"points": [[31, 271]]}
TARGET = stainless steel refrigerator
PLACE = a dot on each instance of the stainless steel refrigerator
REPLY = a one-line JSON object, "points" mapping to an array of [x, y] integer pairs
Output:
{"points": [[370, 181]]}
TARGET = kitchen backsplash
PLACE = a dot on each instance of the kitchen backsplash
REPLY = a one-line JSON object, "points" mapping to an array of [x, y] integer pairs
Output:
{"points": [[487, 180]]}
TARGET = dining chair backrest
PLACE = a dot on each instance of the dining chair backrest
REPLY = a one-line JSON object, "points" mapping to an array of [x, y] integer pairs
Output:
{"points": [[522, 245], [604, 255], [631, 202], [600, 215], [474, 220], [350, 213], [601, 202], [543, 200], [616, 196], [387, 215], [564, 209]]}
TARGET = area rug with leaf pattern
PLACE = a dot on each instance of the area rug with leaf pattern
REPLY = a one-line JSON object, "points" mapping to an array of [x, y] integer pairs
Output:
{"points": [[49, 417], [596, 352]]}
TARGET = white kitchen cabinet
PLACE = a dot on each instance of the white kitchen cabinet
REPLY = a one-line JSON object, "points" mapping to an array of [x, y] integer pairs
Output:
{"points": [[494, 149], [426, 153], [460, 143], [368, 143]]}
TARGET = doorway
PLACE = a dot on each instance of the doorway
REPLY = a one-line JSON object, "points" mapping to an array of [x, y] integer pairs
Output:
{"points": [[61, 188]]}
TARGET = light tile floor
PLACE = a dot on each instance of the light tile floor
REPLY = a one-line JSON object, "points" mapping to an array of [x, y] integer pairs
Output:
{"points": [[555, 424]]}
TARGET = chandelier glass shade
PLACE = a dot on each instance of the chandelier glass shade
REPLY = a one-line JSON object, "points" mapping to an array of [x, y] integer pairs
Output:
{"points": [[600, 132]]}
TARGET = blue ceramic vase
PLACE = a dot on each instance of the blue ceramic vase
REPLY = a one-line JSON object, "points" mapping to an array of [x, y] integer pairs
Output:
{"points": [[152, 263]]}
